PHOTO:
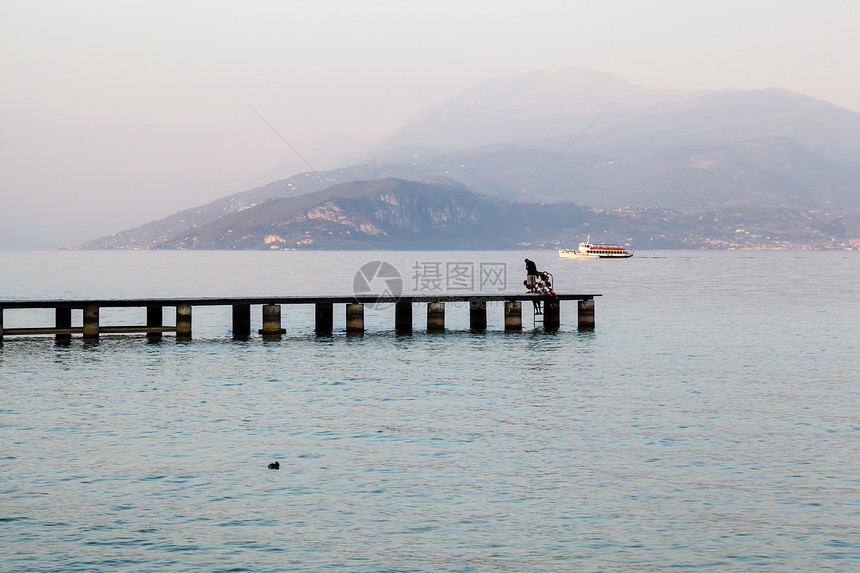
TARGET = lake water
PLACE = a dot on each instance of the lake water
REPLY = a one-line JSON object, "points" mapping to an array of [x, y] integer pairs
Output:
{"points": [[709, 422]]}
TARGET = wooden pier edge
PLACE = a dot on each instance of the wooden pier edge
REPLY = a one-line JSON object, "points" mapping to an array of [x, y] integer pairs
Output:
{"points": [[91, 326]]}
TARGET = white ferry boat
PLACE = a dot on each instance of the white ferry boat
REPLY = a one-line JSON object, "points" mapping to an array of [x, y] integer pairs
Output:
{"points": [[589, 250]]}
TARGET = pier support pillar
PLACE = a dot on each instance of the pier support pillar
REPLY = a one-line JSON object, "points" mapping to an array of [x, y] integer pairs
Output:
{"points": [[435, 316], [513, 315], [154, 318], [478, 314], [323, 317], [91, 321], [586, 314], [1, 325], [551, 316], [403, 317], [183, 322], [354, 318], [272, 320], [241, 321], [63, 320]]}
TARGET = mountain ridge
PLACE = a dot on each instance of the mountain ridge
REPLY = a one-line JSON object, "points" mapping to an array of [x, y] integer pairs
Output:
{"points": [[688, 152], [398, 214]]}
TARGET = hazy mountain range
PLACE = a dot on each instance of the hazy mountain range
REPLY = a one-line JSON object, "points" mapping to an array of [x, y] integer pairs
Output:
{"points": [[779, 168]]}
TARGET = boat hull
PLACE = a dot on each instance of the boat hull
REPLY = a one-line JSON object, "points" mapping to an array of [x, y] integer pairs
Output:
{"points": [[575, 255], [589, 250]]}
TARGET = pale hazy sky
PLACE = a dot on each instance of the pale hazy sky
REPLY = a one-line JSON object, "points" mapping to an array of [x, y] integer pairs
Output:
{"points": [[114, 113]]}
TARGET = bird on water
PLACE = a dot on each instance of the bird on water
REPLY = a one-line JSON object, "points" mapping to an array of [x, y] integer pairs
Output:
{"points": [[274, 466]]}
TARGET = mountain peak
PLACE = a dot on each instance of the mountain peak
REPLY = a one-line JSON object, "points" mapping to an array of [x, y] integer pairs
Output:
{"points": [[536, 104], [512, 138]]}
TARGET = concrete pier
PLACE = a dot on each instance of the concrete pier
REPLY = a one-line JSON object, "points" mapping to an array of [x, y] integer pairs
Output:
{"points": [[435, 316], [478, 314], [272, 320], [63, 320], [91, 329], [241, 321], [91, 321], [403, 317], [183, 321], [551, 317], [513, 315], [154, 320], [586, 315], [354, 318], [323, 317]]}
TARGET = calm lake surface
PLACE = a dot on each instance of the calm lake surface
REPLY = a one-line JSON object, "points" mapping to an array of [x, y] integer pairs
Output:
{"points": [[711, 421]]}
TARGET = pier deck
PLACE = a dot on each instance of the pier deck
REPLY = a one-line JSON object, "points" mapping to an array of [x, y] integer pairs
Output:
{"points": [[271, 313]]}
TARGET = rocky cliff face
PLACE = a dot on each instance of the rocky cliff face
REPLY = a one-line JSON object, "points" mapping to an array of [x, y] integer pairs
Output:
{"points": [[387, 213]]}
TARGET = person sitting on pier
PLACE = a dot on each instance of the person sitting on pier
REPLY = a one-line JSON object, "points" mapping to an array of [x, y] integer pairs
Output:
{"points": [[540, 290], [531, 275], [551, 298]]}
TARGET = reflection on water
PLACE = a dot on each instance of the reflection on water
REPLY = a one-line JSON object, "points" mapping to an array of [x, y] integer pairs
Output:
{"points": [[708, 422]]}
